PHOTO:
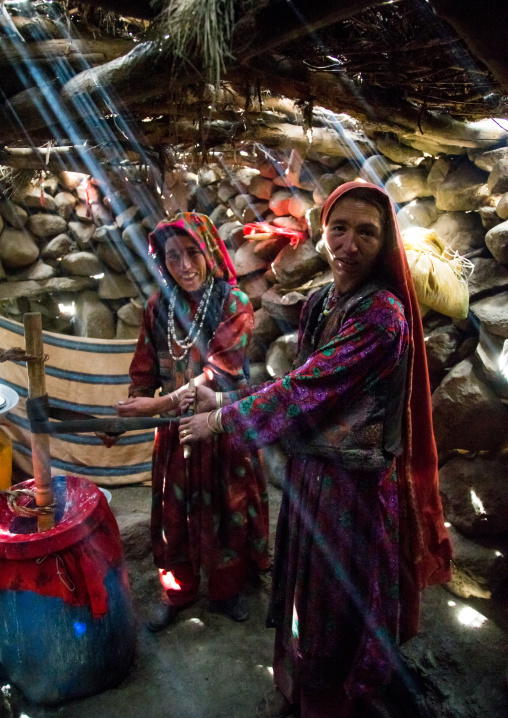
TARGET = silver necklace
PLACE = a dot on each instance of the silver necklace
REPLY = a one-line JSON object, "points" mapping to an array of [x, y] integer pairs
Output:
{"points": [[188, 342], [329, 304]]}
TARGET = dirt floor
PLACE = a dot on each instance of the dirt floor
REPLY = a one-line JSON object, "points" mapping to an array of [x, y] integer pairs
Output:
{"points": [[206, 666]]}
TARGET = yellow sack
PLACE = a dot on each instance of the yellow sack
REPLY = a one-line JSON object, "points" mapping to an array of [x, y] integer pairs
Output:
{"points": [[439, 274]]}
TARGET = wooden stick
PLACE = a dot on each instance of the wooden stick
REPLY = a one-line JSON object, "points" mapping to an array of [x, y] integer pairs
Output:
{"points": [[40, 442], [187, 450]]}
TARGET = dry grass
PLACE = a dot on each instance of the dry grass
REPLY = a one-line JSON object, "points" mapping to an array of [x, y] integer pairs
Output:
{"points": [[200, 32], [405, 53], [14, 181]]}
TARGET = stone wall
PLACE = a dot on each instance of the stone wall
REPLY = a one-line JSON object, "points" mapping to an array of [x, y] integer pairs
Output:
{"points": [[66, 247], [66, 254]]}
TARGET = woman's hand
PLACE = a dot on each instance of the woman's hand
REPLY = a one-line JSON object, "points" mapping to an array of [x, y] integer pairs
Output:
{"points": [[133, 406], [138, 406], [205, 399], [194, 429], [108, 440]]}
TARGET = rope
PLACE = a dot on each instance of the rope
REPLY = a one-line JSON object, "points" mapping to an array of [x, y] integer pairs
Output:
{"points": [[13, 495], [18, 354], [62, 575]]}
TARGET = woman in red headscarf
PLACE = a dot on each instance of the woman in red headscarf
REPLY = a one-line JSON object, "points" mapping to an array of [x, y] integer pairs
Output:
{"points": [[209, 513], [361, 530]]}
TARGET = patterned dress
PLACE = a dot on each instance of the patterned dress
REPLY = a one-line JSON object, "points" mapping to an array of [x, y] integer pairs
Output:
{"points": [[335, 588], [210, 512]]}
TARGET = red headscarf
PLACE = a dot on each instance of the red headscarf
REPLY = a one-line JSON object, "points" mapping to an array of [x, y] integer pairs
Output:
{"points": [[425, 549], [202, 230]]}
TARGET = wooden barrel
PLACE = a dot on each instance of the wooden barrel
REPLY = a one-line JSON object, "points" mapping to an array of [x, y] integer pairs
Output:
{"points": [[88, 375], [67, 628]]}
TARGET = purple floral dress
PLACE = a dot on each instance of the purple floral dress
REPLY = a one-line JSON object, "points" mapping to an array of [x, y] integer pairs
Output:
{"points": [[335, 599]]}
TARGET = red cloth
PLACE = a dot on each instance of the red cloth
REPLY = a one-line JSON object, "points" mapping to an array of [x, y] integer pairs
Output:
{"points": [[295, 236], [76, 573], [425, 549]]}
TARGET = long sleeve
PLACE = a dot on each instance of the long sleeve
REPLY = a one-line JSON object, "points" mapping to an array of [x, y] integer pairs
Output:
{"points": [[366, 349], [144, 366], [245, 391]]}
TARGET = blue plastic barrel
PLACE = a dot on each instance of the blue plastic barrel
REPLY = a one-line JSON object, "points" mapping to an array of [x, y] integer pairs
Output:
{"points": [[67, 627]]}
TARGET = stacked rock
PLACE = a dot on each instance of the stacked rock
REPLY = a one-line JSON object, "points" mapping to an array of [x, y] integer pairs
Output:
{"points": [[64, 254]]}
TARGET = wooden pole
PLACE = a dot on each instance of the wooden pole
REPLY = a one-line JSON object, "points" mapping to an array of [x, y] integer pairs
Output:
{"points": [[40, 442], [187, 449]]}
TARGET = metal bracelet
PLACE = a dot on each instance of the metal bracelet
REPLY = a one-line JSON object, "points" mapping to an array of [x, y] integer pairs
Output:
{"points": [[218, 421], [213, 429]]}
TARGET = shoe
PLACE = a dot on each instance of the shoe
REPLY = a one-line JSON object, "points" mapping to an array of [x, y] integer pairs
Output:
{"points": [[274, 704], [161, 616], [235, 608]]}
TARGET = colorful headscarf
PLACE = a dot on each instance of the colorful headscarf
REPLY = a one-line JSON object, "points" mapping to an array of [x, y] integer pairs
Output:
{"points": [[202, 230], [425, 549]]}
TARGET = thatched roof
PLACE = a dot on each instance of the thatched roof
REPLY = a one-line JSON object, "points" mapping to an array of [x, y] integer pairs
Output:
{"points": [[217, 73]]}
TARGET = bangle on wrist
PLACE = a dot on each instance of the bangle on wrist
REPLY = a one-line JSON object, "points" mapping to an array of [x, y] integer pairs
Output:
{"points": [[214, 428], [218, 399], [218, 421]]}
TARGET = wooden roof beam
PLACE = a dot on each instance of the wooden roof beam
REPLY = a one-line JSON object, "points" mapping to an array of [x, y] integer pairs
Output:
{"points": [[50, 50], [483, 28]]}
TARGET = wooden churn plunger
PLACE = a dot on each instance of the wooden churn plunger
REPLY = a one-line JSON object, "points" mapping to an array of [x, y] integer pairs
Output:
{"points": [[187, 449], [40, 442]]}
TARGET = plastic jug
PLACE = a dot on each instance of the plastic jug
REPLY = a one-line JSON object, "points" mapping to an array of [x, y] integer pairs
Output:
{"points": [[5, 460]]}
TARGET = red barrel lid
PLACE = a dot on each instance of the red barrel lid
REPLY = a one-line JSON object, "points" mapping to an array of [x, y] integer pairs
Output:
{"points": [[83, 509]]}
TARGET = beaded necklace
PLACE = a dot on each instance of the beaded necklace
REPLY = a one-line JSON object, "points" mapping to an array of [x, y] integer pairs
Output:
{"points": [[188, 342], [329, 303]]}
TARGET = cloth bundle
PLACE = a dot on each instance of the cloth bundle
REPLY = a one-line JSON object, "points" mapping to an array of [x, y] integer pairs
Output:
{"points": [[439, 274]]}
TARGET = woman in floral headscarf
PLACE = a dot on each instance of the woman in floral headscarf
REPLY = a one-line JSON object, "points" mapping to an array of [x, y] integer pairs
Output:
{"points": [[209, 513], [361, 529]]}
